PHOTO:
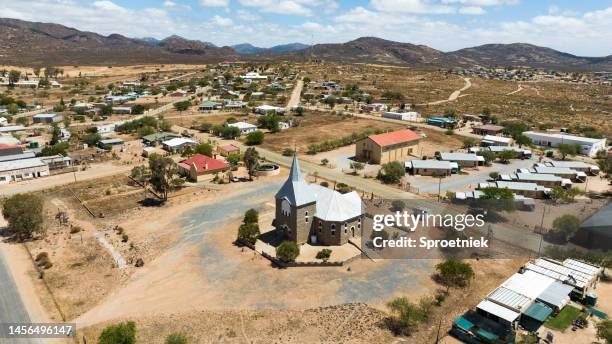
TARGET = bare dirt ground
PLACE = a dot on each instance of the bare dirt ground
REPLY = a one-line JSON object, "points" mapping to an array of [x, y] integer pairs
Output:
{"points": [[350, 323], [317, 127]]}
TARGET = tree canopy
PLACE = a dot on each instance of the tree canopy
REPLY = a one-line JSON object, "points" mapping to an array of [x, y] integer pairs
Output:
{"points": [[24, 213]]}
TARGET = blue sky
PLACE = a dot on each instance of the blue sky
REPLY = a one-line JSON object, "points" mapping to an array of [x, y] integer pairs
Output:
{"points": [[578, 27]]}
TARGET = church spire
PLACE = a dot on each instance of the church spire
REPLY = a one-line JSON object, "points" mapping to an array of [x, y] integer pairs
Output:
{"points": [[295, 175]]}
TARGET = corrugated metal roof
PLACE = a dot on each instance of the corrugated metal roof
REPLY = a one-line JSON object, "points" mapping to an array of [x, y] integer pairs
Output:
{"points": [[460, 157], [497, 310], [509, 298]]}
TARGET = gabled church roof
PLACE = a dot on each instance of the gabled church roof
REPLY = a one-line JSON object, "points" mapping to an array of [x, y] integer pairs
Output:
{"points": [[295, 188]]}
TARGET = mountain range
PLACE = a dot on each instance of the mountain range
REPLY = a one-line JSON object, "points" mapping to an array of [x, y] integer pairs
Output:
{"points": [[247, 48], [32, 43]]}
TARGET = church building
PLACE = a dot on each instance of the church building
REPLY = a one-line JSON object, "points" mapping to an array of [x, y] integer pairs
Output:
{"points": [[311, 213]]}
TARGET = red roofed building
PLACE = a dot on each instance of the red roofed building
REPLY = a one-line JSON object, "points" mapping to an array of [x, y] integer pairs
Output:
{"points": [[228, 149], [199, 165], [383, 148]]}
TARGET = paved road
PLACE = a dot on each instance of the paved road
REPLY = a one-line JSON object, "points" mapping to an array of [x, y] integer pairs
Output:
{"points": [[12, 309]]}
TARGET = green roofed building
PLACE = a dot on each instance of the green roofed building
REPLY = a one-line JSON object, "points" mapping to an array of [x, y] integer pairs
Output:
{"points": [[154, 139], [535, 316]]}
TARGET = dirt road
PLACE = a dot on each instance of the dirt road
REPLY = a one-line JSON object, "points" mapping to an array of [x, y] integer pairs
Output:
{"points": [[93, 172], [296, 94], [453, 96]]}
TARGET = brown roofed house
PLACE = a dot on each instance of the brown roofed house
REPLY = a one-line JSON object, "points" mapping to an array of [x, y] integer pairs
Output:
{"points": [[383, 148]]}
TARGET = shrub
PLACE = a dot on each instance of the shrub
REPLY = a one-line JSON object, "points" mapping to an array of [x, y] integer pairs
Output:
{"points": [[255, 138], [324, 254], [124, 238], [324, 184], [398, 204], [343, 188], [288, 152], [176, 338], [251, 216], [287, 251], [41, 256], [248, 232], [454, 273], [494, 175], [565, 226], [391, 173], [75, 229], [123, 333]]}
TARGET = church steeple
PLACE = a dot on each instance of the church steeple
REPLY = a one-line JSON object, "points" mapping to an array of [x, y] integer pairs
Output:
{"points": [[295, 189], [295, 175]]}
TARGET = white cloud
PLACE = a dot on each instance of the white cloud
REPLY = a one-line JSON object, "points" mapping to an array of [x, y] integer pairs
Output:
{"points": [[582, 34], [214, 3], [410, 6], [247, 15], [305, 8], [474, 10], [221, 21], [174, 6], [481, 2]]}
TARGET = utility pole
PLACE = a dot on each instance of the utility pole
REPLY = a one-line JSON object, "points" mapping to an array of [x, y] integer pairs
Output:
{"points": [[439, 187]]}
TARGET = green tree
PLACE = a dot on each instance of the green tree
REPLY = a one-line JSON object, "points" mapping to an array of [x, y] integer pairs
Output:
{"points": [[205, 149], [141, 174], [487, 155], [182, 105], [164, 175], [357, 166], [566, 226], [391, 173], [122, 333], [138, 109], [24, 214], [398, 205], [605, 165], [506, 155], [233, 158], [251, 161], [13, 77], [469, 142], [56, 134], [251, 216], [91, 139], [522, 140], [176, 338], [494, 175], [406, 315], [604, 331], [248, 232], [568, 149], [287, 251], [454, 273], [255, 138]]}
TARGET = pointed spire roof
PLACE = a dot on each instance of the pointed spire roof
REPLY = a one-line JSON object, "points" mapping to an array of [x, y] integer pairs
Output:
{"points": [[295, 174], [295, 189]]}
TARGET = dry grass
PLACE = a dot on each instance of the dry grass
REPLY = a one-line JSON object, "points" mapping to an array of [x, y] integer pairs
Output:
{"points": [[318, 127]]}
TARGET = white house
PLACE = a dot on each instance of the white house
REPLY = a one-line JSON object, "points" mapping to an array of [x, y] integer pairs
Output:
{"points": [[244, 127], [588, 146], [492, 140], [268, 109], [403, 116], [253, 76]]}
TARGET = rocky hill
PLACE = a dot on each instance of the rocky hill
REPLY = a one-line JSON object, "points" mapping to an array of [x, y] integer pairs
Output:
{"points": [[29, 43]]}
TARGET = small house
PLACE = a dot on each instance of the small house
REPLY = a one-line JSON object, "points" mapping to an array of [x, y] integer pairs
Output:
{"points": [[226, 150], [431, 167], [200, 165], [178, 144], [47, 118], [463, 159], [244, 127]]}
